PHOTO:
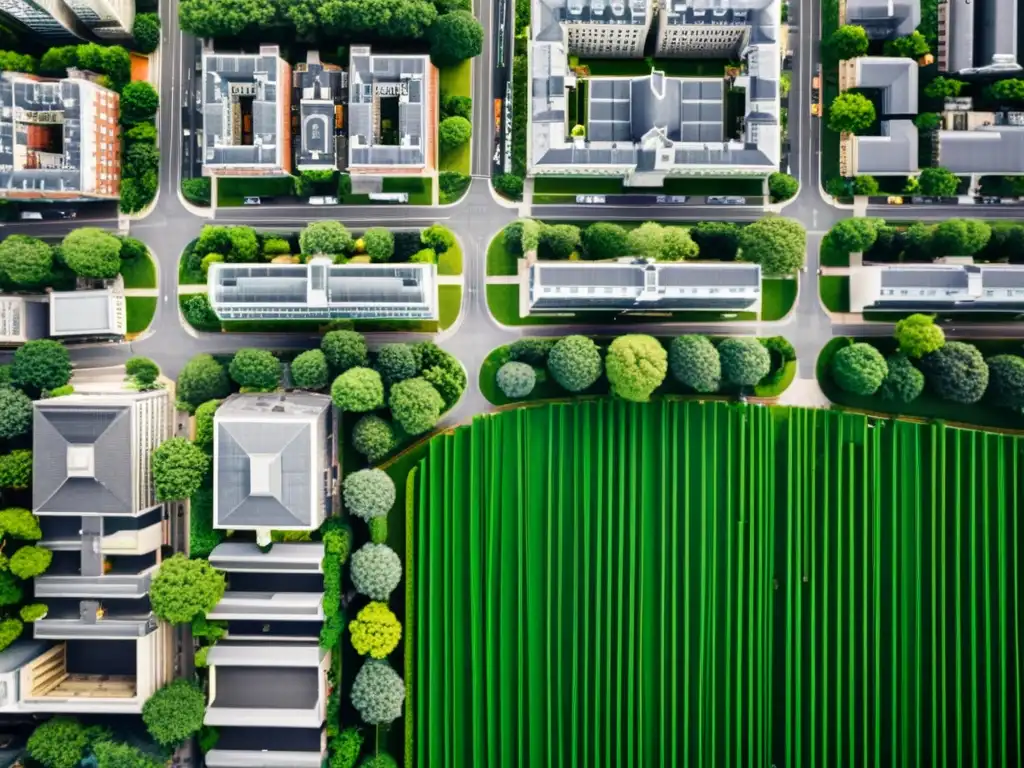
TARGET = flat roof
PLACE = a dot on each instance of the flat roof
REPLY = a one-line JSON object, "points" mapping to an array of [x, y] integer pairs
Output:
{"points": [[85, 313], [240, 653]]}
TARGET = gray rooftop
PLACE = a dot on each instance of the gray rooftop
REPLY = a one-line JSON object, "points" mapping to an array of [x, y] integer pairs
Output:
{"points": [[82, 458], [980, 36], [243, 653], [894, 152], [884, 19], [84, 313], [319, 89], [896, 77], [278, 687], [951, 278], [19, 653], [551, 14], [990, 149], [283, 557]]}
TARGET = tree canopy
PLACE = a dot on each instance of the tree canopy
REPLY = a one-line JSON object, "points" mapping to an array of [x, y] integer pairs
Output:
{"points": [[309, 370], [677, 245], [778, 244], [912, 46], [782, 187], [938, 182], [15, 413], [558, 241], [854, 235], [376, 571], [139, 102], [605, 240], [848, 42], [58, 743], [146, 32], [959, 237], [344, 350], [92, 252], [255, 369], [636, 365], [368, 493], [918, 335], [379, 243], [575, 363], [358, 390], [956, 372], [111, 754], [174, 713], [373, 437], [859, 369], [41, 365], [1006, 381], [745, 361], [851, 113], [647, 240], [184, 589], [694, 362], [516, 380], [944, 87], [178, 469], [202, 379], [375, 631], [455, 37], [415, 405], [717, 239], [453, 132], [326, 237], [25, 261], [395, 362]]}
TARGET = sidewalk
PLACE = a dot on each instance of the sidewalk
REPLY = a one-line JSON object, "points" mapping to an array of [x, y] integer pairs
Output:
{"points": [[503, 279]]}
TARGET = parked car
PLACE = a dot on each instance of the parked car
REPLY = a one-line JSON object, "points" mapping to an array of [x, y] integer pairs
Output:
{"points": [[30, 216], [317, 201], [67, 214], [718, 200], [589, 199], [894, 200], [251, 201]]}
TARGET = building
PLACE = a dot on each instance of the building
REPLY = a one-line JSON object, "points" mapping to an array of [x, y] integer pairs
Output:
{"points": [[268, 677], [59, 139], [320, 290], [12, 660], [106, 19], [92, 490], [647, 129], [894, 151], [392, 113], [321, 90], [51, 20], [978, 37], [884, 19], [246, 113], [981, 143], [274, 462], [96, 313], [23, 318], [639, 286], [940, 287], [598, 27]]}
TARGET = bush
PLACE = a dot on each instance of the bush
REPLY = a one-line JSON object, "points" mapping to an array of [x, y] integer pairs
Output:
{"points": [[373, 437], [344, 350], [67, 389], [378, 693], [782, 187], [174, 713], [903, 383], [575, 363], [276, 246], [744, 361], [455, 37], [358, 390], [605, 240], [717, 239], [25, 261], [110, 754], [197, 191], [203, 537], [694, 362], [416, 405], [779, 245], [202, 379], [780, 345], [197, 310], [204, 425], [516, 380], [309, 370], [453, 132], [378, 530], [510, 185], [368, 493], [178, 469], [41, 365], [31, 561], [58, 743], [532, 351], [558, 241], [10, 630], [184, 589], [18, 523], [859, 369], [16, 469], [32, 612], [142, 369], [376, 571], [139, 102], [1006, 381], [375, 631], [379, 243], [452, 185], [457, 106], [677, 245], [345, 748], [10, 592], [15, 413], [918, 335], [636, 365], [325, 237], [647, 240], [956, 372], [395, 362]]}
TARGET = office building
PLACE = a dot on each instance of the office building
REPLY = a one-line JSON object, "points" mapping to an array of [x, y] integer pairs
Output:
{"points": [[979, 143], [894, 151], [320, 90], [23, 318], [52, 20], [320, 290], [59, 139], [978, 37], [392, 113], [957, 285], [639, 286], [717, 29], [598, 28], [884, 19], [246, 113], [106, 19]]}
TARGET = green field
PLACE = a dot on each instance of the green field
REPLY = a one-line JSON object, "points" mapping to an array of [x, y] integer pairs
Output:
{"points": [[139, 312], [455, 81], [232, 190], [835, 292], [449, 298], [685, 584], [138, 273], [778, 297]]}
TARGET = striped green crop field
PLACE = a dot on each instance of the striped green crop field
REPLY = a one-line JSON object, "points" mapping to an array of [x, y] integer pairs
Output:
{"points": [[687, 584]]}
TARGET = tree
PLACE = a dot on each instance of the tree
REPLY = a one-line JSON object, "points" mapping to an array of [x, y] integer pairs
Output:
{"points": [[327, 237], [358, 390], [11, 61], [959, 237], [1008, 90], [139, 158], [453, 132], [10, 591], [647, 240], [309, 370], [143, 370], [368, 493], [213, 239], [379, 760], [31, 561], [113, 755], [345, 748], [943, 87], [782, 187], [744, 361], [575, 363], [636, 365], [379, 243], [15, 413], [416, 405], [41, 365], [10, 630], [373, 437], [859, 369], [209, 260], [146, 31], [442, 370], [848, 42], [25, 261], [851, 113], [16, 469], [58, 743], [202, 379], [865, 185], [903, 383], [378, 693], [913, 46], [532, 351], [395, 362], [424, 256], [455, 37], [1006, 381], [178, 469], [245, 246], [344, 350], [717, 239], [91, 252], [19, 523], [837, 186], [928, 121], [184, 589], [605, 240], [457, 106], [139, 102], [956, 372], [174, 713], [375, 631], [677, 245], [694, 362], [917, 335], [854, 235], [938, 182], [255, 369], [376, 571], [779, 245], [438, 237], [558, 241], [516, 380], [276, 246], [204, 425], [509, 184]]}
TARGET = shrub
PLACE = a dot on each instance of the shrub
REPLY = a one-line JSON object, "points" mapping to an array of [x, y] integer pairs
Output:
{"points": [[425, 256], [859, 369], [509, 184], [15, 413], [325, 237], [373, 437], [31, 561], [358, 390], [956, 372], [146, 31], [779, 245], [345, 748], [197, 310], [416, 405], [744, 361], [208, 260], [32, 612], [605, 240], [453, 132], [677, 245], [10, 630], [454, 37], [395, 362], [178, 469], [375, 631], [717, 239], [376, 571], [782, 187], [344, 350], [575, 363], [25, 261], [1006, 381], [174, 713], [918, 335], [558, 241], [18, 523], [67, 389], [204, 425], [531, 351], [276, 246], [781, 346], [380, 760], [58, 743], [139, 102], [41, 365], [378, 693], [197, 191], [452, 185], [110, 754], [379, 243], [255, 369], [368, 493], [516, 380], [142, 369], [184, 589], [636, 366], [202, 379], [309, 370], [16, 469], [203, 537], [903, 383], [438, 237], [92, 252], [10, 590], [647, 240]]}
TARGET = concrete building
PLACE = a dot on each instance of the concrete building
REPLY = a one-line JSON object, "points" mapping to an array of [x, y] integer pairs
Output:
{"points": [[717, 29], [321, 90], [59, 139], [96, 313], [106, 19], [23, 318], [51, 20], [956, 285], [978, 37], [246, 113], [320, 290], [599, 28], [884, 19], [981, 143], [392, 113], [894, 152], [639, 286]]}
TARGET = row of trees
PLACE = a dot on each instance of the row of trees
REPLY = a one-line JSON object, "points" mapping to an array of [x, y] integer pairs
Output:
{"points": [[931, 182], [882, 242], [30, 263], [140, 159], [850, 41], [777, 243]]}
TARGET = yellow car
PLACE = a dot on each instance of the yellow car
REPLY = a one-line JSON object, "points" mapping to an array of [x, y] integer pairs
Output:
{"points": [[895, 200], [816, 110]]}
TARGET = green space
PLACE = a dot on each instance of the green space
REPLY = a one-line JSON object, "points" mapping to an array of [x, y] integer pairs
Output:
{"points": [[188, 276], [835, 292], [449, 299], [500, 261], [420, 189], [139, 272], [455, 81], [773, 386], [778, 295], [677, 67], [676, 583], [450, 262], [831, 256], [578, 186], [139, 312], [231, 190]]}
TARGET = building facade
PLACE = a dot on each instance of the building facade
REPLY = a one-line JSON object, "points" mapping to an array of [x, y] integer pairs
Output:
{"points": [[704, 29], [894, 151], [52, 20], [978, 37], [951, 286], [884, 19], [23, 318]]}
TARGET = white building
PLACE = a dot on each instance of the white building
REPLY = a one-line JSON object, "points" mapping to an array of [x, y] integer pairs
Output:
{"points": [[600, 28], [90, 313], [23, 318], [941, 287]]}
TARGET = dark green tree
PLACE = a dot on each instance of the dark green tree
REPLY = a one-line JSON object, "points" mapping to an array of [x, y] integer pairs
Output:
{"points": [[309, 370], [605, 240], [782, 187], [455, 37], [146, 32], [943, 87], [139, 102], [558, 241], [1006, 381], [859, 369], [178, 469], [174, 713], [15, 413], [913, 46], [92, 252], [865, 185], [575, 363], [453, 132], [255, 370], [41, 365], [694, 362], [344, 350], [373, 437], [956, 372], [202, 379], [848, 42], [185, 589], [744, 361], [938, 182], [851, 113], [415, 405], [143, 370], [718, 240], [1008, 90], [960, 237], [854, 235], [928, 121], [395, 362], [25, 261], [779, 245]]}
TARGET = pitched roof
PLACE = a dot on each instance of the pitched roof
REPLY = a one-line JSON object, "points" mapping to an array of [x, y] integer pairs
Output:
{"points": [[990, 149]]}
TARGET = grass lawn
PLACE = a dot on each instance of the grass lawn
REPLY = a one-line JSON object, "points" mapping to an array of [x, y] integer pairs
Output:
{"points": [[420, 189], [140, 311], [455, 81], [185, 277], [500, 261], [231, 190], [776, 388], [138, 273], [449, 299], [450, 262], [678, 67], [574, 186], [835, 292], [778, 297]]}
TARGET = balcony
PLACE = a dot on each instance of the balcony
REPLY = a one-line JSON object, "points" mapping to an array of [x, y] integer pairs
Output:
{"points": [[269, 606], [104, 586], [49, 686]]}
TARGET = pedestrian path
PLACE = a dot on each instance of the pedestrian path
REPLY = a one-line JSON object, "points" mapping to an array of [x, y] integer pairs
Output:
{"points": [[503, 279], [143, 291]]}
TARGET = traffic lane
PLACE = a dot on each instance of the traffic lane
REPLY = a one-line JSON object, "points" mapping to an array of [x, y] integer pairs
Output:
{"points": [[60, 228], [501, 85], [660, 213], [301, 215]]}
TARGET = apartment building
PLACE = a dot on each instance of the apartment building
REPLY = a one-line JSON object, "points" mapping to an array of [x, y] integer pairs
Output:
{"points": [[981, 143], [59, 139], [600, 28], [950, 285], [69, 315], [978, 37], [894, 151], [23, 318], [321, 90], [246, 113], [706, 28], [883, 19]]}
